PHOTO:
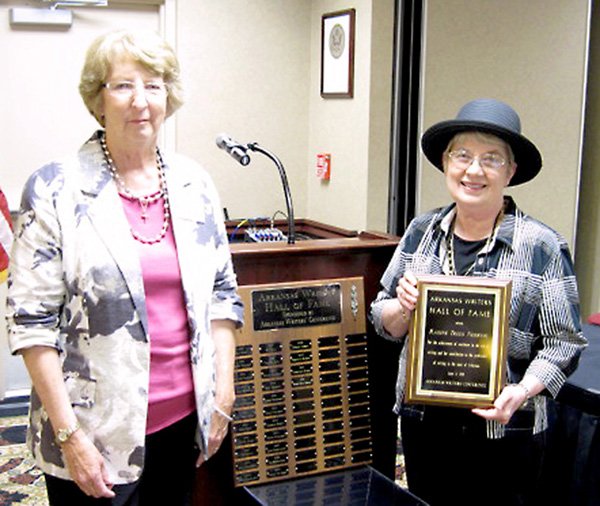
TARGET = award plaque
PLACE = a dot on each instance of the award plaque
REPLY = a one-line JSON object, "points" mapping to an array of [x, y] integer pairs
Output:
{"points": [[458, 340]]}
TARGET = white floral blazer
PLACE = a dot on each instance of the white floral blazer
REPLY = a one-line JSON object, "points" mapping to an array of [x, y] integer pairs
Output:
{"points": [[75, 284]]}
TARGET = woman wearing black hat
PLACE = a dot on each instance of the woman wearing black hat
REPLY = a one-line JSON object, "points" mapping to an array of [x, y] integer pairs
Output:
{"points": [[487, 455]]}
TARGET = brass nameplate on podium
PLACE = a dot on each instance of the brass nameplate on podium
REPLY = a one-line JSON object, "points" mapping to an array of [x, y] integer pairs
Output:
{"points": [[301, 381], [457, 344]]}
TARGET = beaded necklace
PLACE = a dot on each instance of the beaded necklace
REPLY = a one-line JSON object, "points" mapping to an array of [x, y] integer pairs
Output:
{"points": [[486, 246], [144, 200]]}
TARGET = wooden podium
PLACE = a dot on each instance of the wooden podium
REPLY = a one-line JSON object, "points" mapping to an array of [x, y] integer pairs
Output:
{"points": [[320, 253]]}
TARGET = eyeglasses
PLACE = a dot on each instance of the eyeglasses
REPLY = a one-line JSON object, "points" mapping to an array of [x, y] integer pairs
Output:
{"points": [[463, 159], [126, 89]]}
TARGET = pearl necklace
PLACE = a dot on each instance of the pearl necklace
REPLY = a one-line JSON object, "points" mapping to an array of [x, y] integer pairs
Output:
{"points": [[486, 246], [144, 200]]}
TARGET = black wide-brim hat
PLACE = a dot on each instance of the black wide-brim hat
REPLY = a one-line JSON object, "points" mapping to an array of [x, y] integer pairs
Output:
{"points": [[489, 116]]}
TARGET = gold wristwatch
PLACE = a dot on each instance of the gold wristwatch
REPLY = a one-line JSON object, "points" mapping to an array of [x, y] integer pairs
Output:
{"points": [[63, 435]]}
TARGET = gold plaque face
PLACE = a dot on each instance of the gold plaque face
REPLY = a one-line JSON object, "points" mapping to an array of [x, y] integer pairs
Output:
{"points": [[457, 341]]}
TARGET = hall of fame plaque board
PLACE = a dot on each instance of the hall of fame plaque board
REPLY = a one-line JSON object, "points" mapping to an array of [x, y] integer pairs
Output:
{"points": [[301, 381]]}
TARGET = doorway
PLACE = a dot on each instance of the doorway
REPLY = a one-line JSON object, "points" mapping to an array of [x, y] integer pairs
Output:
{"points": [[405, 114]]}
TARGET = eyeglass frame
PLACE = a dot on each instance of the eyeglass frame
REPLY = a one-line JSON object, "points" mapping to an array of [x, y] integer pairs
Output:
{"points": [[452, 152], [136, 87]]}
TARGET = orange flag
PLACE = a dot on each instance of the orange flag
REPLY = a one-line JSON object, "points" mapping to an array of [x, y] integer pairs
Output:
{"points": [[6, 237]]}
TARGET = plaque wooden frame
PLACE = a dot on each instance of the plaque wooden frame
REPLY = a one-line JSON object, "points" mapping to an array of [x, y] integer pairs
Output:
{"points": [[458, 341]]}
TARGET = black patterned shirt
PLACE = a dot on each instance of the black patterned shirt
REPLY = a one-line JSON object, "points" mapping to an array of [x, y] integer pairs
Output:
{"points": [[545, 338]]}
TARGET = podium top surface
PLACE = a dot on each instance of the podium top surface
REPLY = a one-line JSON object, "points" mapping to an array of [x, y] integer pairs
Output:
{"points": [[310, 236]]}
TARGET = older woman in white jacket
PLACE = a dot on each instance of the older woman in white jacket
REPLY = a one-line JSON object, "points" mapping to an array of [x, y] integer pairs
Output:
{"points": [[122, 297]]}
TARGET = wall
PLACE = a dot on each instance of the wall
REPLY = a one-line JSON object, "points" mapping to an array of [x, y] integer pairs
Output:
{"points": [[587, 259], [247, 67], [356, 132], [380, 114], [263, 85], [530, 54]]}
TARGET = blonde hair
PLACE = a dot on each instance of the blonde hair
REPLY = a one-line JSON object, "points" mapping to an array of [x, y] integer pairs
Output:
{"points": [[481, 137], [145, 48]]}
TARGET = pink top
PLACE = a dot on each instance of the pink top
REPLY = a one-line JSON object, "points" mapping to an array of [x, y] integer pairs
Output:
{"points": [[171, 389]]}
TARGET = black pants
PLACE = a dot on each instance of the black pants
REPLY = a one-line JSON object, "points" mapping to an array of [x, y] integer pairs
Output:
{"points": [[167, 478], [449, 461]]}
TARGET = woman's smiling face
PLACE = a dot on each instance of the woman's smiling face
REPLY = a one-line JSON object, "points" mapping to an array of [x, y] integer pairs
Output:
{"points": [[474, 186]]}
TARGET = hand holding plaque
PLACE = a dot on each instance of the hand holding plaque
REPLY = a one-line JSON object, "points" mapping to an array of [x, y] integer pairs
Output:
{"points": [[457, 345]]}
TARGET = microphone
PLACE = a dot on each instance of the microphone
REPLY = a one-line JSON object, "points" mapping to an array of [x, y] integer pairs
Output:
{"points": [[236, 150]]}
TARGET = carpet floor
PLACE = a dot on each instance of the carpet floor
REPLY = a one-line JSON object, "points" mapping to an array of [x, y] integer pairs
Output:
{"points": [[20, 480], [400, 475]]}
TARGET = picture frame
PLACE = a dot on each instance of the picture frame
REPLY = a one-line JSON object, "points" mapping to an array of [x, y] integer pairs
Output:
{"points": [[458, 341], [337, 54]]}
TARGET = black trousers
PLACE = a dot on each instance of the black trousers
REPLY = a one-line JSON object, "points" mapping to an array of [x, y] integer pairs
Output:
{"points": [[167, 477], [449, 461]]}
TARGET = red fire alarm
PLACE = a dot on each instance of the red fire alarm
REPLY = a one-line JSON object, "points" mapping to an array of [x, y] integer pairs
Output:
{"points": [[324, 166]]}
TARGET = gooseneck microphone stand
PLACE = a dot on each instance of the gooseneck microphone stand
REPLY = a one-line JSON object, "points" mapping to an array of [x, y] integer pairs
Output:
{"points": [[253, 146]]}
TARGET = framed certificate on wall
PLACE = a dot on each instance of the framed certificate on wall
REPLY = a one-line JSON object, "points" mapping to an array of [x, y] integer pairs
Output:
{"points": [[337, 54]]}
